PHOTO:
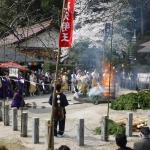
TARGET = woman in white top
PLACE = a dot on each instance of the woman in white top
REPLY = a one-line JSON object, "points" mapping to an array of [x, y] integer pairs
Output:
{"points": [[32, 87]]}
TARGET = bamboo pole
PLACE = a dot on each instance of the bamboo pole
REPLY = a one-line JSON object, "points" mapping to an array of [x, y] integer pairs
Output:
{"points": [[110, 63], [50, 144]]}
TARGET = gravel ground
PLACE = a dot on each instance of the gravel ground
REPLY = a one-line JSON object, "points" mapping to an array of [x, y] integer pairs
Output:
{"points": [[91, 114]]}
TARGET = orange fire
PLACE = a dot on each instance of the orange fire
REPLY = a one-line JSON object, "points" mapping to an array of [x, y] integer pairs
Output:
{"points": [[107, 80]]}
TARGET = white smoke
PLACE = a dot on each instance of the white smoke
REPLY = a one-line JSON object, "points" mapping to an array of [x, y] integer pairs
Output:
{"points": [[97, 90]]}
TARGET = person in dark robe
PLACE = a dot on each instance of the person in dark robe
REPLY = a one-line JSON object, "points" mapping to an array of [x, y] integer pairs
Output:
{"points": [[17, 99], [63, 103]]}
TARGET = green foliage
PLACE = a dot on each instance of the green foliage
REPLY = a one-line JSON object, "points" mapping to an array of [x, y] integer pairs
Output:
{"points": [[16, 14], [52, 4], [113, 128], [96, 97], [131, 101]]}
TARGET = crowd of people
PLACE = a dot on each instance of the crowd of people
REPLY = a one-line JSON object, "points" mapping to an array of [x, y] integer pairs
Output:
{"points": [[37, 82]]}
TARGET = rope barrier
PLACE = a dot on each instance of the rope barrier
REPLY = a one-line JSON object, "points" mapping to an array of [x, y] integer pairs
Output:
{"points": [[24, 80], [67, 130], [88, 129]]}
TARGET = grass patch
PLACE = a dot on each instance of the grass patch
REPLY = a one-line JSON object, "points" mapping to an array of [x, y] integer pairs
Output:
{"points": [[13, 145]]}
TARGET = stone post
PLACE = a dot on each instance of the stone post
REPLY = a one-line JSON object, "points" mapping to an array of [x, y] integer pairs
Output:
{"points": [[104, 128], [80, 132], [148, 119], [35, 130], [6, 115], [129, 120], [24, 124], [1, 114], [14, 119]]}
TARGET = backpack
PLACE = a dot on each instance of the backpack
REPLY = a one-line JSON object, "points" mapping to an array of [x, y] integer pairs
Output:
{"points": [[58, 112]]}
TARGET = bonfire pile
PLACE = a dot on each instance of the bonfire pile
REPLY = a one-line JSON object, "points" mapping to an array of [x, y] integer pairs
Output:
{"points": [[138, 122]]}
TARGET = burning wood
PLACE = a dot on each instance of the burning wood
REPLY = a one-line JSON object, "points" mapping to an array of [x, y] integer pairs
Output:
{"points": [[108, 80]]}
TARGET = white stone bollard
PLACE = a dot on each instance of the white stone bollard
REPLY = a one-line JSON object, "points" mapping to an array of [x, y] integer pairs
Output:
{"points": [[14, 119], [35, 130], [24, 124], [6, 115], [80, 132], [47, 122], [148, 119], [129, 119], [1, 114], [104, 128]]}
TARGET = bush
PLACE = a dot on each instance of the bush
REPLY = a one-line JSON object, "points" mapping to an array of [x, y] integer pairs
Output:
{"points": [[113, 128], [131, 101]]}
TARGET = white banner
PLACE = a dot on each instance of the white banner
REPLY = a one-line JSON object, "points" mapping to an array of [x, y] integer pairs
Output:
{"points": [[13, 72], [143, 77]]}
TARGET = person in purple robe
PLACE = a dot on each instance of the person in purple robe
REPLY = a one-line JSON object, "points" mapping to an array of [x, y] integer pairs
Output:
{"points": [[6, 87], [21, 83], [17, 99]]}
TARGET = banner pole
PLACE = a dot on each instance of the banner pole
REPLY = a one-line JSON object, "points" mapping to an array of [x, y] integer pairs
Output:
{"points": [[50, 135]]}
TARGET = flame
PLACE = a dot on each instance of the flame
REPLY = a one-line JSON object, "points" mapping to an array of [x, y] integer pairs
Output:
{"points": [[107, 79]]}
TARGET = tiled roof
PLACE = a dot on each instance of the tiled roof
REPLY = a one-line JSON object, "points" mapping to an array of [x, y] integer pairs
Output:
{"points": [[7, 54], [145, 48], [25, 32]]}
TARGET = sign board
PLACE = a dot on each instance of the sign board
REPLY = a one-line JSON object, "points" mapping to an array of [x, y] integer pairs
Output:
{"points": [[143, 77], [13, 72]]}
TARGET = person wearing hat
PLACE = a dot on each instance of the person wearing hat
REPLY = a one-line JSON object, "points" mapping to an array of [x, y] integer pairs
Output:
{"points": [[144, 143]]}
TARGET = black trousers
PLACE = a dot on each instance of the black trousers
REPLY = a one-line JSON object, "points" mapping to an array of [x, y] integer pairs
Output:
{"points": [[61, 127]]}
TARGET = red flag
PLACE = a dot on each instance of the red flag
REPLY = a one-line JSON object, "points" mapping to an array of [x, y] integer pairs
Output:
{"points": [[65, 37]]}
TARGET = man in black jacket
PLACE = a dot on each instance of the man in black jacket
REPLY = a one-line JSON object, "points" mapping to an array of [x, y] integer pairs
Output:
{"points": [[60, 101], [121, 141], [144, 142]]}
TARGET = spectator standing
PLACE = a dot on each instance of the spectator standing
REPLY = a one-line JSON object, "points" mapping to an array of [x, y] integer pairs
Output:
{"points": [[69, 80], [74, 82], [47, 76], [144, 142], [95, 76], [33, 80], [123, 76], [88, 77], [121, 141], [64, 82]]}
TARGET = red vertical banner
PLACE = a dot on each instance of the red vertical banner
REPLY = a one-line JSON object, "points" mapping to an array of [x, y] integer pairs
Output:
{"points": [[65, 37]]}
